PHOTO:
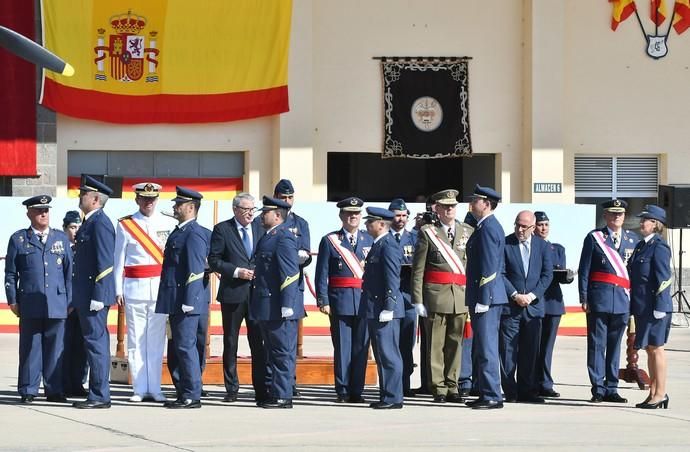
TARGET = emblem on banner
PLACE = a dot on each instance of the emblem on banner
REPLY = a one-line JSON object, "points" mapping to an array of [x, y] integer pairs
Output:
{"points": [[129, 57], [427, 114]]}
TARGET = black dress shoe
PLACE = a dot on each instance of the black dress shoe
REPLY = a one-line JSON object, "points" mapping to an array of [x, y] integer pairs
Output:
{"points": [[386, 406], [28, 398], [615, 398], [510, 399], [488, 405], [56, 398], [439, 398], [91, 405], [475, 392], [409, 393], [464, 392], [342, 399], [549, 393], [421, 391], [596, 398], [531, 399], [277, 403], [471, 403], [663, 403], [230, 398], [186, 403], [356, 399], [204, 393], [79, 392], [454, 398], [295, 393]]}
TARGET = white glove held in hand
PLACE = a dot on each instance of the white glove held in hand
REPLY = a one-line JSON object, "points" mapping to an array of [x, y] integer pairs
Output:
{"points": [[420, 310], [386, 316], [659, 315], [479, 308], [186, 308], [96, 306], [286, 312]]}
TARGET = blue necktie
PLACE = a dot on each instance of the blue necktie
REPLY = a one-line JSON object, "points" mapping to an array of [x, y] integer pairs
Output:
{"points": [[247, 243]]}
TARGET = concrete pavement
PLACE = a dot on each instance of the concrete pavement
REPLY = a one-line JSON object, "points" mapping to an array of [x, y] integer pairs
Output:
{"points": [[316, 423]]}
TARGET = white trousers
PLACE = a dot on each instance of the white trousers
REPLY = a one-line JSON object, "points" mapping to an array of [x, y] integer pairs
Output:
{"points": [[145, 345]]}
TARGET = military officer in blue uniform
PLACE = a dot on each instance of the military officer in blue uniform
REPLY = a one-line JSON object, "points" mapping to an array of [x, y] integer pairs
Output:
{"points": [[486, 295], [406, 240], [285, 191], [604, 295], [74, 368], [554, 307], [385, 307], [38, 285], [183, 293], [339, 270], [93, 287], [276, 303]]}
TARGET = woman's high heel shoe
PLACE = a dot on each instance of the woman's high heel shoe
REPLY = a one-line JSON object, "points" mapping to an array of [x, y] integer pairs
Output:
{"points": [[645, 402], [663, 403]]}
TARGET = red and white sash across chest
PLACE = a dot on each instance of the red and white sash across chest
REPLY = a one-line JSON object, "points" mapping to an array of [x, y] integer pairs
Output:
{"points": [[348, 256], [616, 262], [446, 252]]}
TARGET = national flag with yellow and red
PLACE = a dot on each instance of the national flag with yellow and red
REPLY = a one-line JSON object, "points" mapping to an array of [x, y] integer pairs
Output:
{"points": [[681, 16], [622, 9], [173, 61], [657, 11]]}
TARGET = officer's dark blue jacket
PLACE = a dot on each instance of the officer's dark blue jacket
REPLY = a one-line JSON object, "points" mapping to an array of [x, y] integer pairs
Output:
{"points": [[651, 277], [183, 280], [94, 251], [329, 263], [381, 285], [39, 276], [276, 276], [553, 297], [300, 228], [485, 262], [408, 240]]}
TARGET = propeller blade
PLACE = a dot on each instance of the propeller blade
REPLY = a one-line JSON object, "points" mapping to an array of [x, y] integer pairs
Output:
{"points": [[34, 53]]}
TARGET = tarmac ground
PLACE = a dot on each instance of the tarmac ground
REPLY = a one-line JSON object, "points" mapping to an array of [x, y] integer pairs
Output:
{"points": [[317, 423]]}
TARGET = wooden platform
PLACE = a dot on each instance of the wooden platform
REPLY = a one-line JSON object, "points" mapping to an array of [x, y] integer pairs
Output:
{"points": [[316, 370]]}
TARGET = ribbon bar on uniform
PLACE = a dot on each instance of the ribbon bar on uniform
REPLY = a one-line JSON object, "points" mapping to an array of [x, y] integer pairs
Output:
{"points": [[143, 271], [341, 282], [610, 279], [435, 277]]}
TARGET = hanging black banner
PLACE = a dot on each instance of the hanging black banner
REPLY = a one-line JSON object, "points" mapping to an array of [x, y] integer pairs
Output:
{"points": [[426, 109]]}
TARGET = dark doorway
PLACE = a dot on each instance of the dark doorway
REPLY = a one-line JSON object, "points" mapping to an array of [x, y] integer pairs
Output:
{"points": [[368, 176]]}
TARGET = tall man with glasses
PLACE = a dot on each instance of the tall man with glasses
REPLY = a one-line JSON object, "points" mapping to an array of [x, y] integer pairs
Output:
{"points": [[604, 287], [233, 243], [438, 293], [527, 275]]}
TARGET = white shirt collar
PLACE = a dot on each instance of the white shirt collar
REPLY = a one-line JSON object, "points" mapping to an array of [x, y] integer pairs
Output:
{"points": [[184, 223], [36, 231], [379, 238], [90, 214], [484, 218], [649, 237]]}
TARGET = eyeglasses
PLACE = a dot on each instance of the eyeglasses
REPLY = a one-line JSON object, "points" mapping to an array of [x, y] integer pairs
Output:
{"points": [[523, 226], [244, 209]]}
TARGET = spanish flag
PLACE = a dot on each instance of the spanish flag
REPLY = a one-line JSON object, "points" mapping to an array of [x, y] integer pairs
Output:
{"points": [[218, 188], [681, 16], [622, 9], [658, 11], [172, 61]]}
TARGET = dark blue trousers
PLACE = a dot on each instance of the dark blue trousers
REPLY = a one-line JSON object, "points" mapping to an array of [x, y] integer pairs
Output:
{"points": [[408, 333], [280, 341], [385, 340], [186, 363], [350, 339], [549, 331], [173, 362], [604, 334], [519, 340], [74, 364], [485, 328], [94, 327], [465, 379], [40, 354]]}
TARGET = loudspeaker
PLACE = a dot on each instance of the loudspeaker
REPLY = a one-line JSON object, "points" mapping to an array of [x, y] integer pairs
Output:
{"points": [[676, 200]]}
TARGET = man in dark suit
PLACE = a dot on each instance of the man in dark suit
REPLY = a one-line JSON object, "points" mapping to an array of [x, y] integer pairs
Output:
{"points": [[385, 307], [486, 296], [275, 302], [38, 285], [339, 270], [93, 287], [554, 307], [527, 274], [183, 293], [604, 285], [232, 256]]}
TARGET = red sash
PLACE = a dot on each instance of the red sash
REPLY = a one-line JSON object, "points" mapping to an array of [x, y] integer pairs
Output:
{"points": [[138, 234]]}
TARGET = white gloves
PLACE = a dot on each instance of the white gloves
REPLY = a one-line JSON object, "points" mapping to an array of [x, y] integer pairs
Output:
{"points": [[479, 308], [420, 310], [186, 308], [659, 315], [387, 316], [302, 256], [286, 312], [96, 305]]}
